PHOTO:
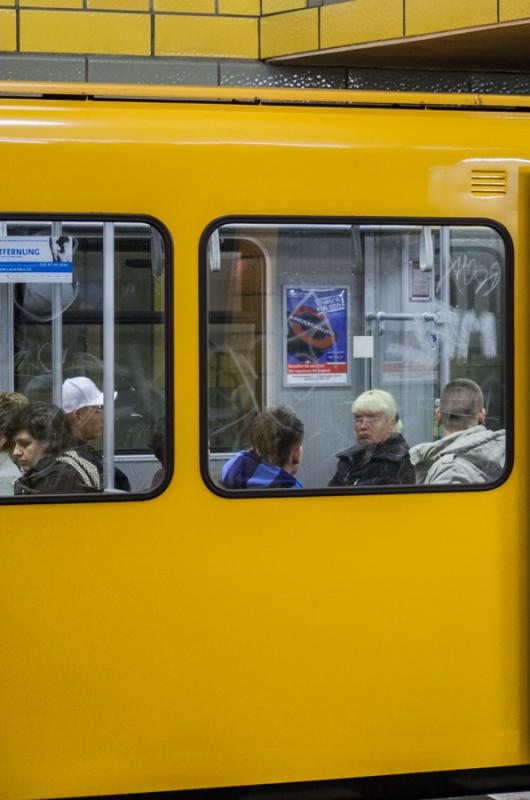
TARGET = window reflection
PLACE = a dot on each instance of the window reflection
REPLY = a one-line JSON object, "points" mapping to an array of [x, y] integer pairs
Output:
{"points": [[405, 310], [75, 334]]}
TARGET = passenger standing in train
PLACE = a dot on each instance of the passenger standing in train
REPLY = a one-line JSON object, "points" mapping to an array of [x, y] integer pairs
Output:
{"points": [[83, 406], [39, 439], [9, 472], [381, 455], [468, 452], [276, 438]]}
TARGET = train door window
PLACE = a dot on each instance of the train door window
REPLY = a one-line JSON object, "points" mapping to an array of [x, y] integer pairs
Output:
{"points": [[83, 369], [385, 342]]}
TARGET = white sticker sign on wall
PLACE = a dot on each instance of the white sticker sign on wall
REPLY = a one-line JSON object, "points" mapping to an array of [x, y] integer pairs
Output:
{"points": [[363, 346], [36, 259]]}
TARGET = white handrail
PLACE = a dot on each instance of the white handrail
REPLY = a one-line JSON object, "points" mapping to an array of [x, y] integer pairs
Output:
{"points": [[108, 355], [57, 333], [7, 350]]}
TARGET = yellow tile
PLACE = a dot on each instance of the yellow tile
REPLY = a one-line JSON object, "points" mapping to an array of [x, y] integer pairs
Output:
{"points": [[7, 2], [249, 8], [118, 5], [422, 17], [186, 6], [8, 30], [52, 3], [85, 32], [213, 37], [360, 21], [514, 9], [275, 6], [292, 32]]}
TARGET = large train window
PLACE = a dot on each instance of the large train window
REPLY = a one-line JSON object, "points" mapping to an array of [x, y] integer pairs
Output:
{"points": [[83, 358], [354, 356]]}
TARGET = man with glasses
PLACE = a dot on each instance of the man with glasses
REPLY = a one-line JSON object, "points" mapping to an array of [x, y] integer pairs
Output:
{"points": [[381, 455], [83, 406]]}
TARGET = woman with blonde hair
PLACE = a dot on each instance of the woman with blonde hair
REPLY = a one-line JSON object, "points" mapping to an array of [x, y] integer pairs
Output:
{"points": [[381, 455]]}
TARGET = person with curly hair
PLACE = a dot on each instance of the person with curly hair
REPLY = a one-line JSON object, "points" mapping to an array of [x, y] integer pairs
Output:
{"points": [[40, 442], [275, 454]]}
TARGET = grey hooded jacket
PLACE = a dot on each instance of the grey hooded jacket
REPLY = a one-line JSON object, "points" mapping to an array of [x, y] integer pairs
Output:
{"points": [[475, 455]]}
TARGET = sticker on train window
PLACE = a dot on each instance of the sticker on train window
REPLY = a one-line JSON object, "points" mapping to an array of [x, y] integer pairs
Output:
{"points": [[83, 370], [356, 356]]}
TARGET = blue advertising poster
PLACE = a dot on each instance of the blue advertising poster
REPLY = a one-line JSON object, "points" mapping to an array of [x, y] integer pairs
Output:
{"points": [[316, 342], [36, 259]]}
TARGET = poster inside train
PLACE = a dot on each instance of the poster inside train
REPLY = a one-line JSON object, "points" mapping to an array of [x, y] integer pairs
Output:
{"points": [[316, 337]]}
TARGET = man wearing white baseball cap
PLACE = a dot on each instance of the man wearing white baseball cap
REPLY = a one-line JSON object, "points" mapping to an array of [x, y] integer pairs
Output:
{"points": [[83, 406]]}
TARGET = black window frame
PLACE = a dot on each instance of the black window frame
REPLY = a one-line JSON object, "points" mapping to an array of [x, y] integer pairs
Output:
{"points": [[508, 354], [163, 230]]}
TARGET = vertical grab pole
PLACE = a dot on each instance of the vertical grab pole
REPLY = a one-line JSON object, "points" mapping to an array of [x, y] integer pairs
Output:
{"points": [[57, 334], [445, 264], [370, 304], [108, 355], [7, 349]]}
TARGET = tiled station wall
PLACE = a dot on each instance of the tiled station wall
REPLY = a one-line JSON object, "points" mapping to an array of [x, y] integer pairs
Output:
{"points": [[224, 42], [323, 24], [208, 28]]}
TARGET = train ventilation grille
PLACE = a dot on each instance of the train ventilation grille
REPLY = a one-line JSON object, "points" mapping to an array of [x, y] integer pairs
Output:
{"points": [[488, 182]]}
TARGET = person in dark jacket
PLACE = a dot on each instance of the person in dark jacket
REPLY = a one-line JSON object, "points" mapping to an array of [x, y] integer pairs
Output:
{"points": [[381, 455], [83, 406], [276, 452], [40, 442]]}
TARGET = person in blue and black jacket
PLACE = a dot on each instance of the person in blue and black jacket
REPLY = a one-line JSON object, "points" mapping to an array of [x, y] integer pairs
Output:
{"points": [[276, 439]]}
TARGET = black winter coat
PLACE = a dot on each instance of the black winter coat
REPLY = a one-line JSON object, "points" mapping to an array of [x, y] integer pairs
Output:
{"points": [[53, 476], [380, 465], [86, 451]]}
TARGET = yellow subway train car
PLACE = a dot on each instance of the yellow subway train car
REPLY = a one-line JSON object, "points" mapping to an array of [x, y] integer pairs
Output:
{"points": [[264, 443]]}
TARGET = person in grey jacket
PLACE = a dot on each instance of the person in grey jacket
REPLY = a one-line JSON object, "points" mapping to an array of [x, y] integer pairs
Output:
{"points": [[468, 451]]}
